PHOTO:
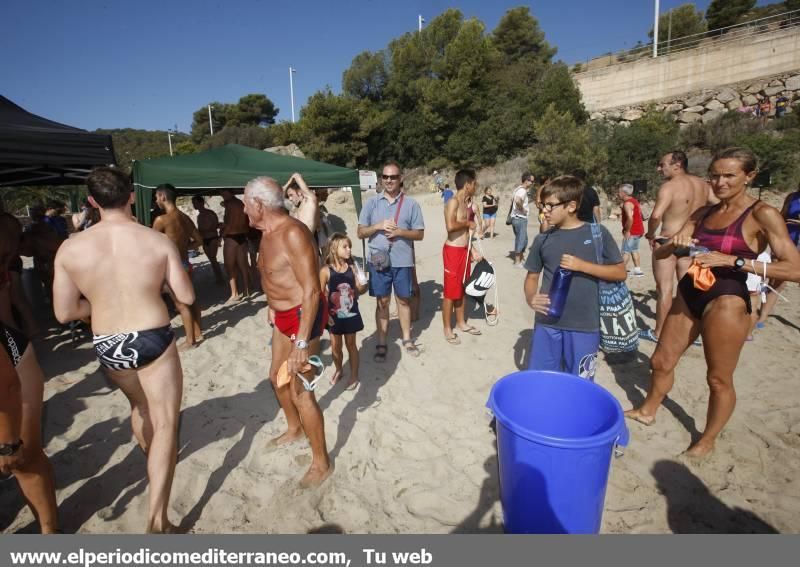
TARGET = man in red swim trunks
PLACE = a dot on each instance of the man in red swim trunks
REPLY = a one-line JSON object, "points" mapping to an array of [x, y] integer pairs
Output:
{"points": [[455, 255], [290, 278]]}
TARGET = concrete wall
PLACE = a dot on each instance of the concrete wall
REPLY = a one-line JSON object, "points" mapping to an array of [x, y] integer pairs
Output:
{"points": [[705, 67]]}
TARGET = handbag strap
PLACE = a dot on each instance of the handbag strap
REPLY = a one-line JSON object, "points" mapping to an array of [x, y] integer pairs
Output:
{"points": [[397, 214]]}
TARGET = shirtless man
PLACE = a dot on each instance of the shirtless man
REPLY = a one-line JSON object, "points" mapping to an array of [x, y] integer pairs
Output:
{"points": [[184, 234], [454, 253], [304, 200], [234, 244], [208, 226], [114, 273], [290, 278], [680, 196]]}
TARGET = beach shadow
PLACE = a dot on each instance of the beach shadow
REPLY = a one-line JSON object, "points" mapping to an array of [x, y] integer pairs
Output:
{"points": [[786, 322], [489, 495], [430, 299], [643, 309], [327, 529], [373, 376], [522, 349], [632, 374], [216, 323], [691, 508]]}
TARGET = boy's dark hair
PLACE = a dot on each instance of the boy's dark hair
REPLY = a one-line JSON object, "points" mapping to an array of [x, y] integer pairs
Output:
{"points": [[678, 157], [464, 176], [564, 188], [109, 187], [580, 174], [168, 191], [527, 176]]}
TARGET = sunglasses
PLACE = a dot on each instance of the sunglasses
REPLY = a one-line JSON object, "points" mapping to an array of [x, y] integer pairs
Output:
{"points": [[548, 207], [390, 177]]}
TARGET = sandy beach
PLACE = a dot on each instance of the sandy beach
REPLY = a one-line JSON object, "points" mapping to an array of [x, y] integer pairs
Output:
{"points": [[413, 448]]}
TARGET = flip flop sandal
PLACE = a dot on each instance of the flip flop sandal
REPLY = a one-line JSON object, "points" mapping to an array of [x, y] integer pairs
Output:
{"points": [[411, 348], [380, 353], [454, 340], [471, 331], [318, 367], [492, 319]]}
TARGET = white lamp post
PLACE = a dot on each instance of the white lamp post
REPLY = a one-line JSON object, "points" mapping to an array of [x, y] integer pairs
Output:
{"points": [[291, 89], [655, 33]]}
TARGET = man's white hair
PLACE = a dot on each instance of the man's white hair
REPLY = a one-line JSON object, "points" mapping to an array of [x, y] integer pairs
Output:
{"points": [[626, 188], [266, 190]]}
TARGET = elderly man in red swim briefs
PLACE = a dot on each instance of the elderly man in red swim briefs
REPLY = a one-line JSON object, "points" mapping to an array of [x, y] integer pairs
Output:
{"points": [[290, 278]]}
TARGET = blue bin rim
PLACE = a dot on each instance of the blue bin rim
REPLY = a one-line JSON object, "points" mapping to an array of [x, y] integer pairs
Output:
{"points": [[617, 434]]}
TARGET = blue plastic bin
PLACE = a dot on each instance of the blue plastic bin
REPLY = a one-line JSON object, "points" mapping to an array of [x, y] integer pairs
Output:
{"points": [[556, 434]]}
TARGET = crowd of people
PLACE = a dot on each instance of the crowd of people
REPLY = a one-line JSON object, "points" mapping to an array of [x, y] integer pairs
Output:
{"points": [[113, 275]]}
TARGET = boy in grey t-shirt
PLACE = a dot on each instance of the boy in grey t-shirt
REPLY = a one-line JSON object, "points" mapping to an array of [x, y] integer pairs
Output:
{"points": [[569, 343]]}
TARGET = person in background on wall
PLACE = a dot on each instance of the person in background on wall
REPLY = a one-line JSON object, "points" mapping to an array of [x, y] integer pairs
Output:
{"points": [[713, 300], [391, 221], [519, 217], [208, 226], [180, 229], [235, 228], [764, 109], [781, 105], [589, 208], [447, 194], [632, 228], [490, 204], [570, 342], [678, 198]]}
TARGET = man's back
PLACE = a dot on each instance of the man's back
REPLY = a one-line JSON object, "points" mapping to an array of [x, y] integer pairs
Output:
{"points": [[178, 227], [207, 223], [235, 219], [686, 194], [120, 268]]}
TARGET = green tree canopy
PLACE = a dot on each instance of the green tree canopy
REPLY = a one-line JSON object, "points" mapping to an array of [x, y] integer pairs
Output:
{"points": [[518, 36], [367, 76], [724, 13], [251, 110], [685, 20]]}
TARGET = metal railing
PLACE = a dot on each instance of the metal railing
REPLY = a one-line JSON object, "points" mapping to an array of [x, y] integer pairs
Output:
{"points": [[710, 38]]}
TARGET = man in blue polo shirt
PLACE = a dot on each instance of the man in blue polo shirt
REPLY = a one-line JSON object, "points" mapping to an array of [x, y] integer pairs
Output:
{"points": [[391, 221]]}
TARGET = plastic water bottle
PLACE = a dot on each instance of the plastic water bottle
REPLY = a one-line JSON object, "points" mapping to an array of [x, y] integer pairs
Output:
{"points": [[695, 250], [559, 288]]}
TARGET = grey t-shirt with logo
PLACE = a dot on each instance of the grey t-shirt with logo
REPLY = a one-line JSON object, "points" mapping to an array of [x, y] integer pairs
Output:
{"points": [[582, 309]]}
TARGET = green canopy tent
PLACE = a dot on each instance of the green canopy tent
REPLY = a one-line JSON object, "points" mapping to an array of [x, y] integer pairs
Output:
{"points": [[231, 167]]}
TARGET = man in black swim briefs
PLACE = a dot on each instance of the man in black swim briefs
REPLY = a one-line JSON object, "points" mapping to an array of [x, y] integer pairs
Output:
{"points": [[114, 273]]}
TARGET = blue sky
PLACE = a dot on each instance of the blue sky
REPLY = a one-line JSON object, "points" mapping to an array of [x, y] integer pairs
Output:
{"points": [[150, 64]]}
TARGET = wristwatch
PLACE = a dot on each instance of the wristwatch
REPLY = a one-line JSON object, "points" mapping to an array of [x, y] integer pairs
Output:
{"points": [[8, 449], [739, 263], [301, 344]]}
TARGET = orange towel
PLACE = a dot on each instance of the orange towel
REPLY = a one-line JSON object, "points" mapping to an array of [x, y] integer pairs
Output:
{"points": [[283, 373], [703, 278]]}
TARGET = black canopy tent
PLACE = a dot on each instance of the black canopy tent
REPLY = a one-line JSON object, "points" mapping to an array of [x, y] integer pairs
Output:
{"points": [[37, 151]]}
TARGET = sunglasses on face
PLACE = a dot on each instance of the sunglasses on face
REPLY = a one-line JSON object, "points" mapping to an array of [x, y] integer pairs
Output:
{"points": [[390, 177], [548, 207]]}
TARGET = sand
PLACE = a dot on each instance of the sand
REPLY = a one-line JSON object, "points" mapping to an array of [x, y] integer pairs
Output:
{"points": [[413, 448]]}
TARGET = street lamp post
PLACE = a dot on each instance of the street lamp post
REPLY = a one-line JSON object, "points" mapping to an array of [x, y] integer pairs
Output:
{"points": [[210, 121], [655, 33], [169, 139], [291, 89], [420, 21]]}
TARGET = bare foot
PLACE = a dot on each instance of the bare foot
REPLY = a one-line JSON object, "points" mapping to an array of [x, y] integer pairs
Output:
{"points": [[315, 476], [168, 529], [637, 415], [700, 449], [233, 299], [336, 377], [185, 345], [287, 438], [353, 383]]}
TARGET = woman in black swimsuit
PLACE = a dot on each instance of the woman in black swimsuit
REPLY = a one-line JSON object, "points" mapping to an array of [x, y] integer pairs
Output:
{"points": [[35, 473], [735, 231]]}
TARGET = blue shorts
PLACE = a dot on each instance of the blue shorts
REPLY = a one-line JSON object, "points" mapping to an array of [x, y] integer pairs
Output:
{"points": [[381, 282], [574, 352], [488, 216], [631, 244]]}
